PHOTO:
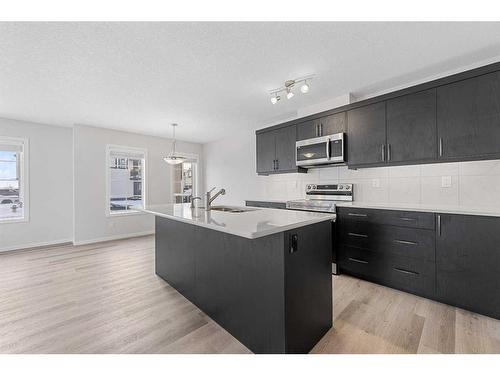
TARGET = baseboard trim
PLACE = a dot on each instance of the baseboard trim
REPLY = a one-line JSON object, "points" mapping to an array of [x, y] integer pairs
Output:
{"points": [[34, 245], [112, 238]]}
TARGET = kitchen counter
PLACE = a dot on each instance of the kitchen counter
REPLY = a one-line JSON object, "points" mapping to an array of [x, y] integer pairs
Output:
{"points": [[423, 208], [459, 210], [255, 223], [264, 275]]}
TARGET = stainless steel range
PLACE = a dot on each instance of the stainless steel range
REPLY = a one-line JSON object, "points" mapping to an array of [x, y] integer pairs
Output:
{"points": [[323, 198]]}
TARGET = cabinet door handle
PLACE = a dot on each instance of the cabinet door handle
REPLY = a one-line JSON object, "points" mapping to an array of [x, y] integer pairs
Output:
{"points": [[321, 129], [277, 164], [388, 152], [404, 242], [357, 235], [440, 146], [383, 152], [406, 272], [274, 164], [439, 224], [358, 260], [317, 130], [408, 218], [358, 215]]}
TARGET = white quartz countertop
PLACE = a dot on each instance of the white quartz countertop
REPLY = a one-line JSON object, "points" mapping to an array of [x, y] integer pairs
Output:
{"points": [[425, 208], [258, 222], [448, 209]]}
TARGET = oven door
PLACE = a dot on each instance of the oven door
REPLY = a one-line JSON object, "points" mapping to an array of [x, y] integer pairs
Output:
{"points": [[312, 151]]}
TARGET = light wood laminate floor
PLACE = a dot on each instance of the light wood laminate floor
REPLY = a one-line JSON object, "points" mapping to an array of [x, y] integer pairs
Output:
{"points": [[106, 298]]}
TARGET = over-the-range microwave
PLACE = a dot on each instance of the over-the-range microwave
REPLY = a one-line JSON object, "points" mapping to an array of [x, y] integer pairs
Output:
{"points": [[319, 151]]}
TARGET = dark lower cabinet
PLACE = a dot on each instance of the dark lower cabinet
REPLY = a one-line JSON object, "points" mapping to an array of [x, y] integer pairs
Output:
{"points": [[468, 262], [454, 259], [468, 118], [273, 293], [366, 135], [411, 128], [392, 248]]}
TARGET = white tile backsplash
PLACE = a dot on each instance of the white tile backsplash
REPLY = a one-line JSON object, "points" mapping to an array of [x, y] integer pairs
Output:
{"points": [[473, 184], [404, 190], [434, 194]]}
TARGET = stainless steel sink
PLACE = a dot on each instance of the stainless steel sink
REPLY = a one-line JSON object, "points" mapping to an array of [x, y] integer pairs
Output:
{"points": [[231, 209]]}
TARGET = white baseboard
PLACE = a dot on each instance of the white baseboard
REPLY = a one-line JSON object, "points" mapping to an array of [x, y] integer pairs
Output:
{"points": [[112, 238], [36, 244], [70, 241]]}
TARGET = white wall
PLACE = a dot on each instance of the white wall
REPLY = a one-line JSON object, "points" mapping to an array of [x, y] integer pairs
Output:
{"points": [[90, 220], [50, 186]]}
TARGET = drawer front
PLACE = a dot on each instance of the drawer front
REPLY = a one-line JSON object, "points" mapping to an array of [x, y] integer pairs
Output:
{"points": [[409, 219], [388, 239], [359, 262], [411, 275]]}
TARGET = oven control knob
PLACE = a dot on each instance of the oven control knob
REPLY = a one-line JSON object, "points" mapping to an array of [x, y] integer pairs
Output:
{"points": [[313, 187], [347, 187], [341, 187], [309, 187]]}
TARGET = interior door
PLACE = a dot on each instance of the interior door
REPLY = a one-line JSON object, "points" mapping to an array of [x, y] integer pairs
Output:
{"points": [[366, 135], [411, 127]]}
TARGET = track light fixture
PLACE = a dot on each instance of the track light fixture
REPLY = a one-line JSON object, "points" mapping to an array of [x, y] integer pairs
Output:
{"points": [[288, 88]]}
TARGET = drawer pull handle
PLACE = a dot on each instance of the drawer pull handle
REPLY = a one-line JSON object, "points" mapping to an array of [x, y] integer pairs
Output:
{"points": [[406, 271], [408, 218], [358, 260], [358, 215], [405, 242], [357, 235]]}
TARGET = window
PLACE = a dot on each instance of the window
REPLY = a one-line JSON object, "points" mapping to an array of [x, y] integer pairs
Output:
{"points": [[126, 179], [13, 179]]}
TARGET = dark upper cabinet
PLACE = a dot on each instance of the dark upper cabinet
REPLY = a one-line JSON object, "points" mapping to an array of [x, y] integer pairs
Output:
{"points": [[411, 127], [308, 129], [332, 124], [366, 135], [285, 148], [276, 151], [467, 262], [468, 118], [266, 152], [322, 126]]}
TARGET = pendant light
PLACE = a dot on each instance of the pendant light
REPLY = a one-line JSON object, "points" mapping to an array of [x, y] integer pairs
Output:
{"points": [[173, 158]]}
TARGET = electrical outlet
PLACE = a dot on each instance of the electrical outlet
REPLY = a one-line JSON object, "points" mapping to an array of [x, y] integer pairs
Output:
{"points": [[376, 182], [446, 181]]}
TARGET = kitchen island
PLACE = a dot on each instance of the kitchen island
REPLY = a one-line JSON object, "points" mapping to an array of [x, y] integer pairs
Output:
{"points": [[264, 275]]}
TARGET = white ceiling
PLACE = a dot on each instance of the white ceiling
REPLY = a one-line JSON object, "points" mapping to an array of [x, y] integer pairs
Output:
{"points": [[213, 78]]}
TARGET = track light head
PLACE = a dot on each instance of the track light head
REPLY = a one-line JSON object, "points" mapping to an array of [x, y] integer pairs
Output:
{"points": [[304, 89], [275, 99], [289, 93]]}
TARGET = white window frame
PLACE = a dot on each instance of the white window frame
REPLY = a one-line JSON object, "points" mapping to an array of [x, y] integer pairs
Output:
{"points": [[124, 149], [195, 158], [24, 186]]}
